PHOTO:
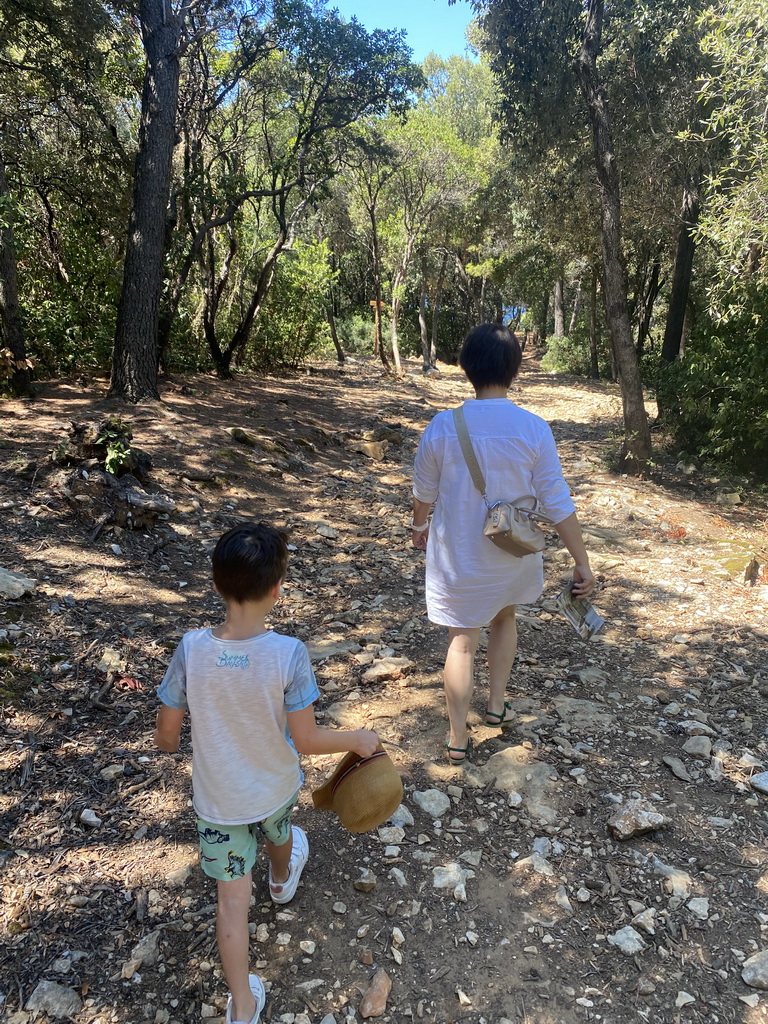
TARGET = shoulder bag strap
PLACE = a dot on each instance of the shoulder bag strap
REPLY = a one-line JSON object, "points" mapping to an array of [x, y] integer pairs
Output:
{"points": [[469, 452]]}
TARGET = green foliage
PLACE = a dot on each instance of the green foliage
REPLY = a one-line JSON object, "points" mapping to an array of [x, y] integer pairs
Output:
{"points": [[293, 324], [716, 398], [116, 436], [355, 332], [572, 355]]}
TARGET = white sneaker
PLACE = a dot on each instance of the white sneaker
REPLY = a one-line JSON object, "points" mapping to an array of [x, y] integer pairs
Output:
{"points": [[257, 988], [299, 853]]}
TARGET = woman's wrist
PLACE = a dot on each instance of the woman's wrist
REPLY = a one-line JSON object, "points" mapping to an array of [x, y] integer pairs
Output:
{"points": [[421, 528]]}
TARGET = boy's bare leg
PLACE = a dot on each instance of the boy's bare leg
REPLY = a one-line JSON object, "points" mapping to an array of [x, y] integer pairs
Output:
{"points": [[502, 647], [234, 900], [280, 859]]}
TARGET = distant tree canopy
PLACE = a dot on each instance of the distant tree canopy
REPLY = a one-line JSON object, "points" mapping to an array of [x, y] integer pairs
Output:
{"points": [[230, 187]]}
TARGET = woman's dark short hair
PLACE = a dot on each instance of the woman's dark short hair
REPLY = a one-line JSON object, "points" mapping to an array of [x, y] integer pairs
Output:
{"points": [[248, 561], [490, 356]]}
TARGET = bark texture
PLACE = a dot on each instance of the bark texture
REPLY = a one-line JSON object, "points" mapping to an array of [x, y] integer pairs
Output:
{"points": [[134, 363], [636, 450], [681, 278], [559, 308], [11, 330]]}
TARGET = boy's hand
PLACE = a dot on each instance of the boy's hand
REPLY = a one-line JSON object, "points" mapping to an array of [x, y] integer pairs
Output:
{"points": [[365, 742]]}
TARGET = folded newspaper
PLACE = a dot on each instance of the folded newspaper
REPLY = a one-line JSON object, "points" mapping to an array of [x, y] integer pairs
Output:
{"points": [[580, 613]]}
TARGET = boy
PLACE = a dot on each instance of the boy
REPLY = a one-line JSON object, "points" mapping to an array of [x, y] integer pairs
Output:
{"points": [[249, 692]]}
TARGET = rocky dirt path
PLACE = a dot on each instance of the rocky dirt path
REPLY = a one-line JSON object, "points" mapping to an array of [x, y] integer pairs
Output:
{"points": [[603, 859]]}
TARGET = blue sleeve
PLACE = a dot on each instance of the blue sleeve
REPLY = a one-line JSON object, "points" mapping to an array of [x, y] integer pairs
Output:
{"points": [[301, 690], [173, 689]]}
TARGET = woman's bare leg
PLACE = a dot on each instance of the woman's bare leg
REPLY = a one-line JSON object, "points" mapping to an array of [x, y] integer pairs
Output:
{"points": [[458, 678], [502, 647]]}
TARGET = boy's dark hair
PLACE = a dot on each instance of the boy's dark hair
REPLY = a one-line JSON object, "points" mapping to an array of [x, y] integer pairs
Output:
{"points": [[490, 356], [248, 561]]}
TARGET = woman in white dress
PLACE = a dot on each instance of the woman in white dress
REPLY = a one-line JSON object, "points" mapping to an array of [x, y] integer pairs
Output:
{"points": [[471, 582]]}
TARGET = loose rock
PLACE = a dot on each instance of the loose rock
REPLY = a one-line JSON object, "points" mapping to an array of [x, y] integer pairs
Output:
{"points": [[627, 940], [635, 818], [55, 1000], [433, 801], [374, 1002], [754, 971]]}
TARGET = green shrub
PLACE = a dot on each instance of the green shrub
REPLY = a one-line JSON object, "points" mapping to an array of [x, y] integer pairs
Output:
{"points": [[355, 332], [715, 400]]}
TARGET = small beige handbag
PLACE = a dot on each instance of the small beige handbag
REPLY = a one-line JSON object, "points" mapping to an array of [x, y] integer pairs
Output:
{"points": [[511, 525]]}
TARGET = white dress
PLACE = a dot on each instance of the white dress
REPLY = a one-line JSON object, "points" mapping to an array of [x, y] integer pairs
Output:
{"points": [[469, 578]]}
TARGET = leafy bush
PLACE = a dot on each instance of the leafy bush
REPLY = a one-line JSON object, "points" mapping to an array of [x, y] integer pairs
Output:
{"points": [[715, 400], [572, 355], [293, 324], [355, 332]]}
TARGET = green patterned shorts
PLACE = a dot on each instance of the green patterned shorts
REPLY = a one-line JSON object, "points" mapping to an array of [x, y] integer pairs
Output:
{"points": [[229, 851]]}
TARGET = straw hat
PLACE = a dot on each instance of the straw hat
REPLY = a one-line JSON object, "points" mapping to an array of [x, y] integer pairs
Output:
{"points": [[363, 791]]}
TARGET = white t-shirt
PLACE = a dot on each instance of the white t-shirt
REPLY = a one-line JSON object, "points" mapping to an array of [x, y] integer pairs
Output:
{"points": [[244, 766], [469, 578]]}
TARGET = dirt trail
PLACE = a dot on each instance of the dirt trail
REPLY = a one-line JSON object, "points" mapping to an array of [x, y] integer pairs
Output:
{"points": [[545, 915]]}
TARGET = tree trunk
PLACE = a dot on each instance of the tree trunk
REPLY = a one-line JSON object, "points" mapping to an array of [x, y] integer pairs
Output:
{"points": [[436, 309], [397, 285], [575, 310], [134, 362], [379, 341], [11, 330], [559, 308], [681, 278], [331, 318], [540, 327], [594, 364], [423, 332], [636, 451], [646, 308]]}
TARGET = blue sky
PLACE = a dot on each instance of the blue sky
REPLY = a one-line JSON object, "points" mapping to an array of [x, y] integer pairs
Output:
{"points": [[431, 24]]}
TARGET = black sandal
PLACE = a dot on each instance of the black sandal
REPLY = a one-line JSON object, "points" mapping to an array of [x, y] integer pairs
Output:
{"points": [[500, 720], [457, 761]]}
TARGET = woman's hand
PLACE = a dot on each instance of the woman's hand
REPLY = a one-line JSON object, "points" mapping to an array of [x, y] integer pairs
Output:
{"points": [[419, 539], [583, 581]]}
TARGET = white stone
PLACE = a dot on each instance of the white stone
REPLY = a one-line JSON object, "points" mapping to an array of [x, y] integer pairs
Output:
{"points": [[386, 668], [90, 818], [327, 531], [392, 835], [401, 817], [262, 933], [646, 920], [307, 946], [754, 971], [146, 951], [684, 998], [583, 895], [13, 586], [699, 907], [627, 940], [452, 876], [398, 877], [635, 818], [434, 802], [698, 746], [514, 799], [55, 1000], [760, 782]]}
